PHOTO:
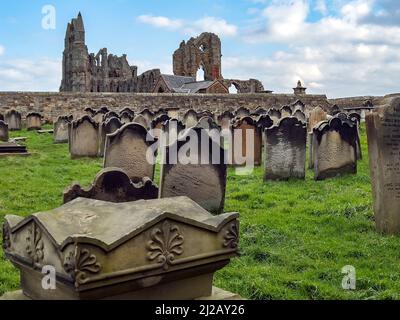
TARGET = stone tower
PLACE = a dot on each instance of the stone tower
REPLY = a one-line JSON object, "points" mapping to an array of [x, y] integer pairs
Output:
{"points": [[201, 52], [75, 58]]}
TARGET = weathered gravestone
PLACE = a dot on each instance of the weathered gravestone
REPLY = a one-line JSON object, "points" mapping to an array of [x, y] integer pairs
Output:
{"points": [[275, 114], [34, 121], [140, 119], [14, 120], [195, 167], [90, 112], [315, 117], [224, 120], [165, 249], [173, 113], [113, 185], [127, 149], [3, 131], [300, 116], [109, 115], [61, 127], [285, 150], [242, 112], [129, 111], [148, 115], [334, 148], [83, 138], [190, 118], [298, 105], [108, 127], [383, 131], [334, 110], [243, 129], [286, 111], [158, 123], [126, 117], [259, 112]]}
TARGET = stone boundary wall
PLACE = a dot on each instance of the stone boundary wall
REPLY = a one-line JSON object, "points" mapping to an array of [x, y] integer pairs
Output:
{"points": [[356, 102], [54, 104]]}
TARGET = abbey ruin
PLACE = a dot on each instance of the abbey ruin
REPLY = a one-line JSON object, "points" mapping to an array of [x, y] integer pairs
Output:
{"points": [[104, 72]]}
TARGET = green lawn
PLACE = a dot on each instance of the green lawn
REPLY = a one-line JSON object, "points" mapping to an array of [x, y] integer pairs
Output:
{"points": [[295, 236]]}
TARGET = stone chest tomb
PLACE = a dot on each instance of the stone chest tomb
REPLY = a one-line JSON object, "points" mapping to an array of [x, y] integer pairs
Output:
{"points": [[156, 249]]}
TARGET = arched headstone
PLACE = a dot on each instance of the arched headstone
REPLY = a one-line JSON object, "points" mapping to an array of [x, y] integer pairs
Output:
{"points": [[285, 150], [140, 119], [3, 131], [84, 137], [286, 111], [34, 121], [127, 149], [202, 181], [107, 127], [14, 120], [61, 126], [190, 118]]}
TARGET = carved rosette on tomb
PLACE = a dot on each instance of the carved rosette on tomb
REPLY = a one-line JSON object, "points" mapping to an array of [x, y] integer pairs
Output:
{"points": [[157, 249]]}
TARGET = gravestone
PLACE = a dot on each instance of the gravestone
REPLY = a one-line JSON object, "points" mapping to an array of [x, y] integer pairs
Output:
{"points": [[334, 148], [157, 125], [242, 112], [383, 131], [190, 118], [298, 105], [126, 117], [224, 120], [285, 150], [202, 178], [334, 110], [34, 121], [108, 127], [275, 114], [173, 113], [127, 110], [356, 118], [164, 249], [148, 115], [90, 112], [3, 131], [286, 111], [14, 120], [315, 117], [140, 119], [264, 122], [126, 149], [61, 126], [84, 138], [241, 129], [300, 115], [259, 112], [171, 131], [109, 115], [113, 185]]}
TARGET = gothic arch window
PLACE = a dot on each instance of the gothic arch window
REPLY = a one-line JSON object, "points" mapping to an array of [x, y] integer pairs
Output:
{"points": [[233, 88], [201, 73]]}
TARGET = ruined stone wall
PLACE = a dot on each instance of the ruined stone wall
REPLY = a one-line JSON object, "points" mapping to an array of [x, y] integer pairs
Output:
{"points": [[356, 102], [54, 104]]}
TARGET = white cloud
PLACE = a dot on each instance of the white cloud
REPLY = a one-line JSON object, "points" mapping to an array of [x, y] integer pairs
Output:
{"points": [[29, 75], [342, 54], [321, 7], [161, 22], [2, 50], [191, 28]]}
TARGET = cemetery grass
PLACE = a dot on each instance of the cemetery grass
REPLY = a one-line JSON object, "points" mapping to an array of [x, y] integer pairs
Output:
{"points": [[295, 236]]}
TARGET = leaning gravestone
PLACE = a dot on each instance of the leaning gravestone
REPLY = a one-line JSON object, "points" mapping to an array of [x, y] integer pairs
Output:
{"points": [[3, 131], [14, 120], [334, 148], [114, 185], [84, 138], [164, 249], [285, 150], [61, 129], [108, 127], [199, 174], [383, 131], [126, 149]]}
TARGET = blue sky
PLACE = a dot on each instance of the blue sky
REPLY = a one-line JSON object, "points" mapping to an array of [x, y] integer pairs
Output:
{"points": [[336, 47]]}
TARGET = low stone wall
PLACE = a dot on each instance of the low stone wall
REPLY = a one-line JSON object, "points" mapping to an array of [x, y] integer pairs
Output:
{"points": [[54, 104], [356, 102]]}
